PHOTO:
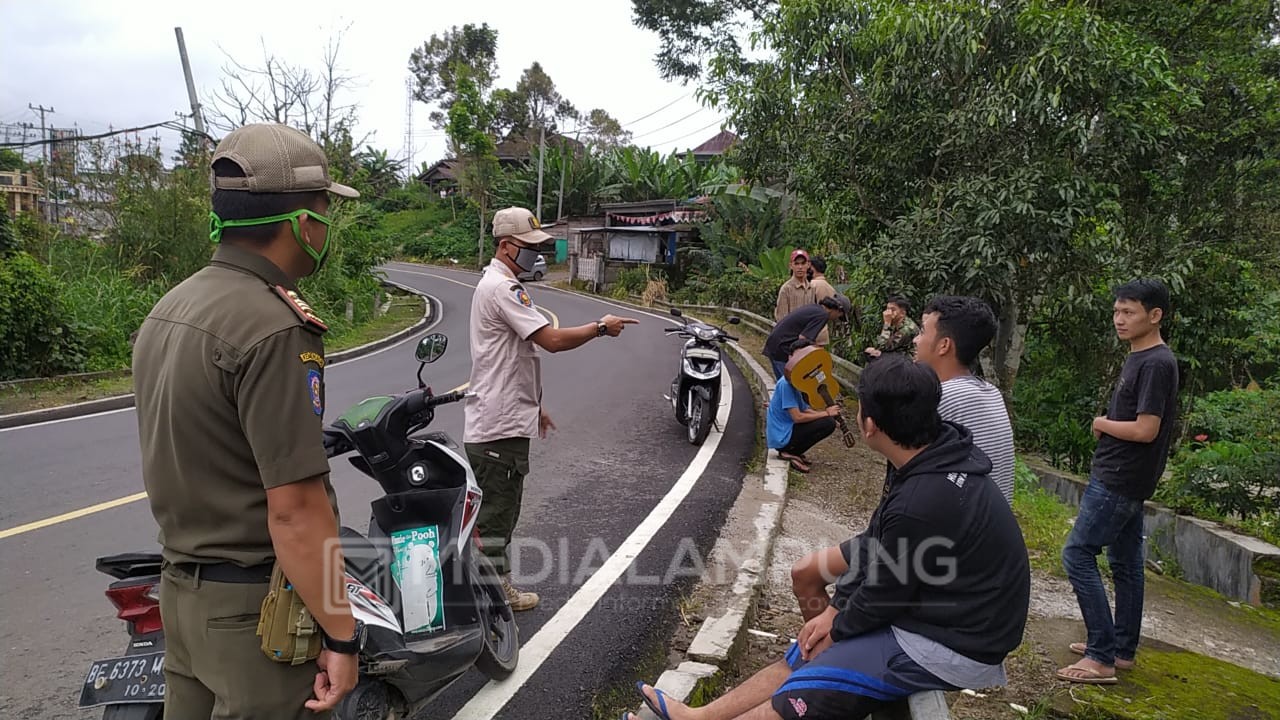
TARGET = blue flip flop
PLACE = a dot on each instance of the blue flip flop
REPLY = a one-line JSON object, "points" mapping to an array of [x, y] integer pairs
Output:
{"points": [[661, 708]]}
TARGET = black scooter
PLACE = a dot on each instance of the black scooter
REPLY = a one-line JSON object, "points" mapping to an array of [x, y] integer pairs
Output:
{"points": [[695, 392], [431, 604]]}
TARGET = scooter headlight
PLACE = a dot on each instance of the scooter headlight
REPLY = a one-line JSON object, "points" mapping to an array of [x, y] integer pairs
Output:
{"points": [[705, 333]]}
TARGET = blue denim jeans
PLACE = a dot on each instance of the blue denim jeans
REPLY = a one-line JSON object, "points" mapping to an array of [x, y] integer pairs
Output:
{"points": [[1107, 519], [779, 368]]}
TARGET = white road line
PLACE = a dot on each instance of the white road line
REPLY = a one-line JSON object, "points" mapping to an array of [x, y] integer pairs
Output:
{"points": [[495, 695], [428, 328]]}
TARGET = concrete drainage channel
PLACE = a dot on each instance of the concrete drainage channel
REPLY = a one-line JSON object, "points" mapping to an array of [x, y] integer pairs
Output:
{"points": [[429, 315], [756, 515]]}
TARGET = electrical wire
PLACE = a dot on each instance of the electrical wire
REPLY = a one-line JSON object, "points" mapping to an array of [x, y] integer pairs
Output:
{"points": [[167, 124], [655, 112], [664, 127], [695, 132]]}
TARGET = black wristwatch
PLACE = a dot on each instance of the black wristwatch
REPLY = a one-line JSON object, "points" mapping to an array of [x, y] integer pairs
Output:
{"points": [[346, 647], [602, 328]]}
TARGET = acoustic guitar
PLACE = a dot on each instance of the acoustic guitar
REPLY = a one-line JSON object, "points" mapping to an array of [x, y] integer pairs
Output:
{"points": [[809, 372]]}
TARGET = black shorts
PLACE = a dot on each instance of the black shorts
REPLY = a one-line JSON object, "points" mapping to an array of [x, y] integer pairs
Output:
{"points": [[851, 679]]}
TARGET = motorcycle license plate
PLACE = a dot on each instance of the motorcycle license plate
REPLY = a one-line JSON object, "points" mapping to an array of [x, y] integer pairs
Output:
{"points": [[131, 679]]}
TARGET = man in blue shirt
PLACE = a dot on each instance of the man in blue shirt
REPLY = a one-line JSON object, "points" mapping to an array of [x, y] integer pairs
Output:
{"points": [[792, 428]]}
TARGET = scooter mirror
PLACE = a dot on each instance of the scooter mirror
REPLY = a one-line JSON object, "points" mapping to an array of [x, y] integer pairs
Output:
{"points": [[431, 347], [734, 320], [676, 312]]}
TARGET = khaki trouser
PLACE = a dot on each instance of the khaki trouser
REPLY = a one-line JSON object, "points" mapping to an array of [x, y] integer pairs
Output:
{"points": [[214, 667], [500, 467]]}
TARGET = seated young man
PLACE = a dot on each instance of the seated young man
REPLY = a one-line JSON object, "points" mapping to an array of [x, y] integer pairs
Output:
{"points": [[954, 330], [791, 427], [939, 593]]}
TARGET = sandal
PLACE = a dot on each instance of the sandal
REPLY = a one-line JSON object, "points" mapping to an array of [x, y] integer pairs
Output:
{"points": [[797, 464], [1088, 676], [1121, 663]]}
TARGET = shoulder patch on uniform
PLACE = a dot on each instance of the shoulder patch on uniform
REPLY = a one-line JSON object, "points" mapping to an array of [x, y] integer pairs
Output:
{"points": [[316, 358], [313, 387], [300, 308], [521, 295]]}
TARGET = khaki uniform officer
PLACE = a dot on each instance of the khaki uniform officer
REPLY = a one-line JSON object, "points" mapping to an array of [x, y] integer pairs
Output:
{"points": [[506, 411], [228, 371]]}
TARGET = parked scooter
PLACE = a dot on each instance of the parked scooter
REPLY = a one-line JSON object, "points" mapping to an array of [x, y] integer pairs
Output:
{"points": [[431, 604], [695, 392]]}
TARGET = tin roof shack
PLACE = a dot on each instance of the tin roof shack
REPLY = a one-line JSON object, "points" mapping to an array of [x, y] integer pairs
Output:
{"points": [[634, 234]]}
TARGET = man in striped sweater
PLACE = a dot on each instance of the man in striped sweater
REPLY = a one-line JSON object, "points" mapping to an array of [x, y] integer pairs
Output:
{"points": [[954, 330]]}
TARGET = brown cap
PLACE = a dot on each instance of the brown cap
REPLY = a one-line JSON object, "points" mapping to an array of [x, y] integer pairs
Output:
{"points": [[276, 159], [518, 223], [799, 253]]}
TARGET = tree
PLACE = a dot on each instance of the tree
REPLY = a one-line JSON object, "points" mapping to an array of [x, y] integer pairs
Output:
{"points": [[469, 120], [279, 91], [603, 131], [8, 238], [966, 147], [10, 160], [693, 31], [435, 66]]}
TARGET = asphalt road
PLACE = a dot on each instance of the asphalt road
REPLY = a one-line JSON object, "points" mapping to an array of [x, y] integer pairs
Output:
{"points": [[615, 456]]}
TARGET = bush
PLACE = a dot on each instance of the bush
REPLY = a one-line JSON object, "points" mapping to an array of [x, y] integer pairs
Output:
{"points": [[1225, 477], [36, 336], [1231, 467], [1246, 416], [732, 288], [1054, 403]]}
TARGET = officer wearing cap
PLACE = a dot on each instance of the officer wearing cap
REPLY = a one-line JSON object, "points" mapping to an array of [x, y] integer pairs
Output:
{"points": [[506, 411], [228, 372]]}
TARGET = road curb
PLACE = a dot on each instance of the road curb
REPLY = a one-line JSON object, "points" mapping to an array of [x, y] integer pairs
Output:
{"points": [[430, 316]]}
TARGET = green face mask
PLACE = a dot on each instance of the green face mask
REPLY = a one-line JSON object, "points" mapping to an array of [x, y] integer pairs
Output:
{"points": [[217, 224]]}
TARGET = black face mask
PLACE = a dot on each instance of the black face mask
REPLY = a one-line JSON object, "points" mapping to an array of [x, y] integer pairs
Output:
{"points": [[525, 259]]}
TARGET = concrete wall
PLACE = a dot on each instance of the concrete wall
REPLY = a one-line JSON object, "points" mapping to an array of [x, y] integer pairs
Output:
{"points": [[1240, 567]]}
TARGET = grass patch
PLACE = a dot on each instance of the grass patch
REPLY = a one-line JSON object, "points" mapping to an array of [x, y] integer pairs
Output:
{"points": [[1175, 684], [405, 310], [51, 393], [1044, 519]]}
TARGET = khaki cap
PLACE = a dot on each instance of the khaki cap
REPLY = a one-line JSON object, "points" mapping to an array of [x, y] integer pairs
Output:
{"points": [[518, 223], [276, 159]]}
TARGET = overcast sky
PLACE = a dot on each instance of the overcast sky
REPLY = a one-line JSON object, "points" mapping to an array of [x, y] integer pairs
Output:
{"points": [[101, 64]]}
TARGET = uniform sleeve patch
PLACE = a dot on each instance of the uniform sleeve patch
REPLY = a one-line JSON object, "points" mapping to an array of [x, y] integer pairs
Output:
{"points": [[522, 296], [313, 387], [311, 357]]}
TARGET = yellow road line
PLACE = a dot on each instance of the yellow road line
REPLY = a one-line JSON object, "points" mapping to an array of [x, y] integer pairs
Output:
{"points": [[82, 512], [71, 515]]}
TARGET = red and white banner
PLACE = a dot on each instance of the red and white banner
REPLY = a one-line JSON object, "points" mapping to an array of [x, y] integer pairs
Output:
{"points": [[676, 216]]}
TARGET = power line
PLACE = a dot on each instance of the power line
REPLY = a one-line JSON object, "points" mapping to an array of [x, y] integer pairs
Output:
{"points": [[695, 132], [655, 112], [664, 127], [167, 124]]}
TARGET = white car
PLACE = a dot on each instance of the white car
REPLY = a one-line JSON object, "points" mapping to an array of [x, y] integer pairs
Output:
{"points": [[538, 272]]}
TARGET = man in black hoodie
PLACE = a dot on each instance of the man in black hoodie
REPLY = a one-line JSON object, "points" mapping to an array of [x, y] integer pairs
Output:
{"points": [[937, 593]]}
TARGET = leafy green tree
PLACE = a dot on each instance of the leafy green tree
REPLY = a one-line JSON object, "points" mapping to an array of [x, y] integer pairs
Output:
{"points": [[603, 131], [435, 66], [10, 160], [968, 146], [8, 238], [469, 119], [694, 31]]}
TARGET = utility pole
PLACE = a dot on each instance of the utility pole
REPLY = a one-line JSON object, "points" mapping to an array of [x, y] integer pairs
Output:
{"points": [[542, 150], [191, 84], [47, 167]]}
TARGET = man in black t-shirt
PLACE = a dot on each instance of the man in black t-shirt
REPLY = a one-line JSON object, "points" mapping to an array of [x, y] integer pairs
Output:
{"points": [[1133, 444], [801, 327]]}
